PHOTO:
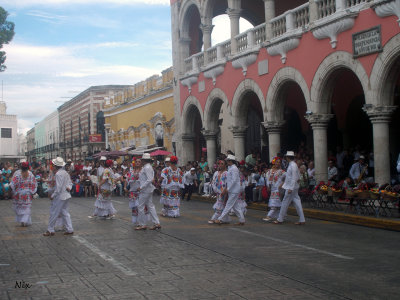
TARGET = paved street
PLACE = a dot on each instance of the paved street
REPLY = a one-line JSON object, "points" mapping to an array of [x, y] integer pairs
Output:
{"points": [[189, 259]]}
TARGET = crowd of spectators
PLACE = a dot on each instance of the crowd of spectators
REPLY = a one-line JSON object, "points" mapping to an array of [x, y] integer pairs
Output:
{"points": [[346, 168]]}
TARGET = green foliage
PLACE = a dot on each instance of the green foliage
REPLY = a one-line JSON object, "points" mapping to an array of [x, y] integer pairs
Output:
{"points": [[6, 35]]}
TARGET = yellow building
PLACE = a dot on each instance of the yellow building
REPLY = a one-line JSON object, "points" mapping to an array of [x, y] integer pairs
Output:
{"points": [[142, 116]]}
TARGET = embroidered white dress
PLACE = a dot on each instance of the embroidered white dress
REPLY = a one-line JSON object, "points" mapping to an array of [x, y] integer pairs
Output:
{"points": [[171, 186], [23, 190], [103, 204]]}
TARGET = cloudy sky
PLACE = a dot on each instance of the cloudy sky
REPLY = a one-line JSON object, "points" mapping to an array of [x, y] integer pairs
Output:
{"points": [[62, 47]]}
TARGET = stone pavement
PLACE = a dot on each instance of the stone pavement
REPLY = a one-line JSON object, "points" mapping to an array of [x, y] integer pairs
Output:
{"points": [[189, 259]]}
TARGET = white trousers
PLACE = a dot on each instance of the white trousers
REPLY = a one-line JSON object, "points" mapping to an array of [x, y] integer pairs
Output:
{"points": [[147, 199], [287, 199], [233, 204], [59, 208]]}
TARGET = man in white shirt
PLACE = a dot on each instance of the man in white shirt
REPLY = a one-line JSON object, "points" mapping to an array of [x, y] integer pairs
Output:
{"points": [[190, 182], [359, 170], [146, 177], [233, 189], [291, 187], [60, 199]]}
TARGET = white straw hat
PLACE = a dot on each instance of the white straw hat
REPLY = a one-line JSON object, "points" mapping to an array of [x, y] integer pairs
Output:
{"points": [[103, 158], [290, 153], [146, 156], [59, 162], [231, 157]]}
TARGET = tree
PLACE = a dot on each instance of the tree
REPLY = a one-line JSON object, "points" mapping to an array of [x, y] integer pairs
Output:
{"points": [[6, 35]]}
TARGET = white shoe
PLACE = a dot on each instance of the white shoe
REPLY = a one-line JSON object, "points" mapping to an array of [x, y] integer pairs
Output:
{"points": [[267, 219]]}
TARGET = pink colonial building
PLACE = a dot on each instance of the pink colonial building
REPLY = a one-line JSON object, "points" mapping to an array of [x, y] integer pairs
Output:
{"points": [[323, 73]]}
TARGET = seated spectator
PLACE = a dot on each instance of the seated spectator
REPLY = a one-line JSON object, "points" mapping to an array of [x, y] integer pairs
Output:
{"points": [[333, 174], [205, 179], [87, 183], [190, 183], [311, 175], [257, 195], [77, 188], [303, 181]]}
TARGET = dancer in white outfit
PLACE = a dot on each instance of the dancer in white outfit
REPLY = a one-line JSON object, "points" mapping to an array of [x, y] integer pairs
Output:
{"points": [[146, 177], [233, 189], [291, 186], [132, 179], [275, 178], [103, 205], [23, 186], [60, 198]]}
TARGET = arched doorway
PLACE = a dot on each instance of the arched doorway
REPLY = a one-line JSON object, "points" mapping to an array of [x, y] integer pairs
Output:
{"points": [[296, 132], [193, 140]]}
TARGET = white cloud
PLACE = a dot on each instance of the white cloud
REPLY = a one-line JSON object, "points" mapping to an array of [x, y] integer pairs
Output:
{"points": [[39, 78], [30, 3]]}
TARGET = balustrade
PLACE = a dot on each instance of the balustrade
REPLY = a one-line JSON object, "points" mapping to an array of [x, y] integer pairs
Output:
{"points": [[212, 54], [260, 34], [226, 46], [326, 8], [291, 20], [241, 42], [278, 25], [350, 3], [301, 15]]}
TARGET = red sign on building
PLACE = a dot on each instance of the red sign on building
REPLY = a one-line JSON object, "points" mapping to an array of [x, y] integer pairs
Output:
{"points": [[95, 138]]}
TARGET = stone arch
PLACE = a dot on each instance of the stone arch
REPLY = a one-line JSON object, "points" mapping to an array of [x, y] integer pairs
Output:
{"points": [[383, 79], [190, 105], [276, 97], [184, 17], [215, 100], [189, 30], [238, 108], [323, 82]]}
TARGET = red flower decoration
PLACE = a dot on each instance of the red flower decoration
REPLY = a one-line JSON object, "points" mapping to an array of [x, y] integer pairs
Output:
{"points": [[25, 164], [109, 162], [173, 159]]}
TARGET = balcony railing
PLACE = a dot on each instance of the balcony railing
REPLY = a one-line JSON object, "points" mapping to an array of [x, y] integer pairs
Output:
{"points": [[326, 8], [292, 22]]}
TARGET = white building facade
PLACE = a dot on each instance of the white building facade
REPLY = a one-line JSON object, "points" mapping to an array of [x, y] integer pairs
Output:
{"points": [[8, 135]]}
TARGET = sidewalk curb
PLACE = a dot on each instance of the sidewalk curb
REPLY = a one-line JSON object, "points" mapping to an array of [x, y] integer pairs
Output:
{"points": [[388, 224]]}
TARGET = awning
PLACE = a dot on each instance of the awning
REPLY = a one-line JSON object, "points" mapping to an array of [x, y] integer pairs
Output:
{"points": [[143, 149]]}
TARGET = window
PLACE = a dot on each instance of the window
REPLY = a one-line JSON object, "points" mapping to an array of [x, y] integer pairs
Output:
{"points": [[6, 133]]}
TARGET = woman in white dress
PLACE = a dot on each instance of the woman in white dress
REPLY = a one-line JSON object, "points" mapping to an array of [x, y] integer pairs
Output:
{"points": [[103, 205], [23, 186], [132, 180], [171, 186], [275, 177], [219, 186]]}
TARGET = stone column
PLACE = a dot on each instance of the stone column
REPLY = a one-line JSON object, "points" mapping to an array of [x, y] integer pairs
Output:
{"points": [[380, 118], [269, 8], [184, 51], [234, 16], [211, 140], [207, 30], [274, 130], [239, 140], [319, 124], [187, 148]]}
